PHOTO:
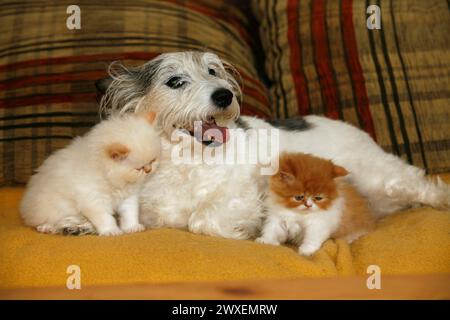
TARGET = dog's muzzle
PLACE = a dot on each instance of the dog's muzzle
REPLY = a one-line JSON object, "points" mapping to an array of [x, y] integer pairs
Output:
{"points": [[210, 133], [222, 97]]}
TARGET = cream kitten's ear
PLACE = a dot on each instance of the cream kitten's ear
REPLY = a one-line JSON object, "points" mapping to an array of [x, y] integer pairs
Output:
{"points": [[117, 151], [339, 171], [150, 117], [286, 176]]}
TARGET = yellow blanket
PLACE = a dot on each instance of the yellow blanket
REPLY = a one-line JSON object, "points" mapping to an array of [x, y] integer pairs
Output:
{"points": [[413, 242]]}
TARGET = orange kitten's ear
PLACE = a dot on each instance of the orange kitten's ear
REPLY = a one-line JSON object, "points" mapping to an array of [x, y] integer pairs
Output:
{"points": [[150, 117], [339, 171], [286, 176], [117, 151]]}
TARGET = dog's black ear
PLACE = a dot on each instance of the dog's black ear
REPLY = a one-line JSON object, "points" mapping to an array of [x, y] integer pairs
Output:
{"points": [[103, 84]]}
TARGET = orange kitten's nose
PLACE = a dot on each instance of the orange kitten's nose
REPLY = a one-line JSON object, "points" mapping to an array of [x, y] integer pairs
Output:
{"points": [[308, 204], [147, 168]]}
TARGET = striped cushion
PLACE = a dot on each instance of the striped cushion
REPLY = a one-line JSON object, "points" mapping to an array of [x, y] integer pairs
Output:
{"points": [[393, 82], [47, 72]]}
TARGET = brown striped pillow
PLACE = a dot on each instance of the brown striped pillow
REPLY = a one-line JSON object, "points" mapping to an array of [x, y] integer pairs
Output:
{"points": [[47, 72], [393, 82]]}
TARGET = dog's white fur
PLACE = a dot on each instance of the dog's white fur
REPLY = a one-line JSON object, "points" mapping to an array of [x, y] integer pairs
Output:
{"points": [[78, 189], [219, 200], [225, 200]]}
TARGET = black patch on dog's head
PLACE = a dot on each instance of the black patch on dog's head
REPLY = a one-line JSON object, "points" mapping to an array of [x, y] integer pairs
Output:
{"points": [[124, 85], [293, 124], [103, 84], [140, 77]]}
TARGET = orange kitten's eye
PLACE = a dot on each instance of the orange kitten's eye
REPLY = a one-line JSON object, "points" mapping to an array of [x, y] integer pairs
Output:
{"points": [[299, 198], [318, 198]]}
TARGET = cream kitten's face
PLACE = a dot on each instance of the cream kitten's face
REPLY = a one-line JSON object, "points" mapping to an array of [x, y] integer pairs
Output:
{"points": [[132, 165], [133, 151]]}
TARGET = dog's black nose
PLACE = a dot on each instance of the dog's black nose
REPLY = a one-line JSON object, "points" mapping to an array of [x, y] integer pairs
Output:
{"points": [[222, 97]]}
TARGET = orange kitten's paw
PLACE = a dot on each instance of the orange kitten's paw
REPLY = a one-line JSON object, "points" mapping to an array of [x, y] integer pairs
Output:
{"points": [[110, 232], [307, 250], [135, 228], [267, 241], [46, 228]]}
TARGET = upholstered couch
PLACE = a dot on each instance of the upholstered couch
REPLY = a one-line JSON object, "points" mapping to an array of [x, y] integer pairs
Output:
{"points": [[295, 58]]}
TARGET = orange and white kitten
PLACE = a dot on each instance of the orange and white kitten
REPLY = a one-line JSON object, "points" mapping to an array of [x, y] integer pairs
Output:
{"points": [[80, 188], [307, 204]]}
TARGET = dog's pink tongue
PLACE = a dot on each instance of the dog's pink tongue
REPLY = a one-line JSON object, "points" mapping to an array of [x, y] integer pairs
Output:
{"points": [[211, 131]]}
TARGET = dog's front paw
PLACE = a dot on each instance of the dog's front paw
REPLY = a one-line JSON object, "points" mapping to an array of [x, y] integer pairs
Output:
{"points": [[110, 232], [134, 228], [267, 241], [307, 249]]}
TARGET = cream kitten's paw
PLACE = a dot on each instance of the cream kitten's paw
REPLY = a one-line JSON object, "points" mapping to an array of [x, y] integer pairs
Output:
{"points": [[110, 232], [267, 241], [307, 249], [46, 228], [134, 228]]}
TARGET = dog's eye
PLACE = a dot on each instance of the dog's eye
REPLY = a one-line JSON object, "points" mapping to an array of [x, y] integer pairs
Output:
{"points": [[175, 83], [212, 72], [299, 197]]}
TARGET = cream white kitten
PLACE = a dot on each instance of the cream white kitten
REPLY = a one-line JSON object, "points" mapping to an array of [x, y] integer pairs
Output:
{"points": [[79, 189]]}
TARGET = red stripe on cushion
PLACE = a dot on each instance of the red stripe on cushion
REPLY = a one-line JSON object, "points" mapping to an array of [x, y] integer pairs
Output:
{"points": [[46, 99], [252, 80], [256, 95], [354, 65], [322, 59], [51, 79], [250, 110], [295, 57], [78, 59]]}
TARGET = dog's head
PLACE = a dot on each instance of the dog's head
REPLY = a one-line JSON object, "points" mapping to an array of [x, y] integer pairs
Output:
{"points": [[182, 87]]}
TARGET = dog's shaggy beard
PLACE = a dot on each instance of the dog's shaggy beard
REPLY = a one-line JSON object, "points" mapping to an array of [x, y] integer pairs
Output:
{"points": [[146, 88]]}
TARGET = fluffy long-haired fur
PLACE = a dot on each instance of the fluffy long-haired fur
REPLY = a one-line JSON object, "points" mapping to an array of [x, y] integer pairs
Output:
{"points": [[80, 188], [308, 202], [225, 200]]}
